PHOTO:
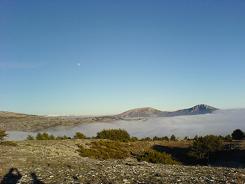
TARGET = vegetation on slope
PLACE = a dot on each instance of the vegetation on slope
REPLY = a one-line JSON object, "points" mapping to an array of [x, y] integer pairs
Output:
{"points": [[3, 134], [156, 157], [105, 150], [238, 134], [117, 144], [203, 147], [114, 134]]}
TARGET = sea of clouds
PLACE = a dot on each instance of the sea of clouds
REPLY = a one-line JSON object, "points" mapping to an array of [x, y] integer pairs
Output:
{"points": [[221, 122]]}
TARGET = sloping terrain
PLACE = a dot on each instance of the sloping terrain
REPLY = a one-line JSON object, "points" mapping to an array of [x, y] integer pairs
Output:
{"points": [[198, 109], [11, 121], [15, 121], [59, 162], [141, 112], [151, 112]]}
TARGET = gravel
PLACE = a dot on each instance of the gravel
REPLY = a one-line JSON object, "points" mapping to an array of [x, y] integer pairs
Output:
{"points": [[58, 162]]}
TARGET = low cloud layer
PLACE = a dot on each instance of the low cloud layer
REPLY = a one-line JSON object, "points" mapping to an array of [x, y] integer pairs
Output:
{"points": [[221, 122]]}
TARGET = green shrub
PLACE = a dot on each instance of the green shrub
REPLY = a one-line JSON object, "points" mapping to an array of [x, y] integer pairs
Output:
{"points": [[114, 134], [2, 135], [160, 138], [133, 139], [165, 138], [146, 139], [202, 147], [44, 136], [8, 143], [62, 137], [105, 150], [238, 134], [79, 135], [173, 138], [186, 138], [156, 157], [30, 137], [156, 138], [228, 138]]}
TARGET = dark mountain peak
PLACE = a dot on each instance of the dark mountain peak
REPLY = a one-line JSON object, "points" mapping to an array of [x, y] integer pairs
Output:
{"points": [[203, 108], [198, 109]]}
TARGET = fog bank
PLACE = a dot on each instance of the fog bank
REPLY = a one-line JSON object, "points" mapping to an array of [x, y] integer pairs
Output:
{"points": [[221, 122]]}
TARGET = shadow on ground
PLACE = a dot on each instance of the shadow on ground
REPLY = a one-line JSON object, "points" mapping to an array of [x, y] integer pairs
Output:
{"points": [[179, 154], [14, 176], [226, 158]]}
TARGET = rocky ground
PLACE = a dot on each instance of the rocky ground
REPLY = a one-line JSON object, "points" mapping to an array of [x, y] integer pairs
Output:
{"points": [[58, 162]]}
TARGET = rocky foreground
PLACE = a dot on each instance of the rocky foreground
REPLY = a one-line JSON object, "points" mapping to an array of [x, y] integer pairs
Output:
{"points": [[58, 162]]}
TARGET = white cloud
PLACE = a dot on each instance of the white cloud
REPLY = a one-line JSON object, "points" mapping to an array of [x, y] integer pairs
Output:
{"points": [[221, 122]]}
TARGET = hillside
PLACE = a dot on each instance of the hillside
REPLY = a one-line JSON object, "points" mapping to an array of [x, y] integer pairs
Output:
{"points": [[151, 112], [17, 121], [141, 112], [198, 109], [59, 162], [23, 122]]}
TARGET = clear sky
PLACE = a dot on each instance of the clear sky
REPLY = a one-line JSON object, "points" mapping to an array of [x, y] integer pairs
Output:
{"points": [[104, 57]]}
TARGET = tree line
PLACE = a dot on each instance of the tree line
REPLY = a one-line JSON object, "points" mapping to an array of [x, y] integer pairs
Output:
{"points": [[121, 135]]}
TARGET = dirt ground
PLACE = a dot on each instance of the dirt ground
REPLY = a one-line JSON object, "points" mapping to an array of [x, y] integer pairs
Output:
{"points": [[57, 161]]}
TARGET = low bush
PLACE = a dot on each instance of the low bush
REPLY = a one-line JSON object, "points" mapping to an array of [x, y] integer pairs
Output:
{"points": [[173, 138], [133, 139], [238, 134], [44, 136], [8, 143], [79, 135], [114, 134], [186, 138], [156, 157], [203, 147], [146, 139], [62, 137], [105, 150], [30, 137], [228, 138], [160, 138], [3, 134]]}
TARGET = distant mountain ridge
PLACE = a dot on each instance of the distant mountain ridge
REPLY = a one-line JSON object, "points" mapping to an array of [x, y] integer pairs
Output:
{"points": [[151, 112], [141, 112], [25, 122]]}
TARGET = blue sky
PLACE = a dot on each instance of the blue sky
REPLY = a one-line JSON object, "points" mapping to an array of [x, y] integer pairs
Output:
{"points": [[104, 57]]}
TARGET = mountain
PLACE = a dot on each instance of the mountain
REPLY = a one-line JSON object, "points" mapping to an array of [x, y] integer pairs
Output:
{"points": [[151, 112], [24, 122], [198, 109], [12, 115], [141, 112]]}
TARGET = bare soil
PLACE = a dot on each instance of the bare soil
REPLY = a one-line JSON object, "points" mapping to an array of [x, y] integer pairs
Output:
{"points": [[57, 161]]}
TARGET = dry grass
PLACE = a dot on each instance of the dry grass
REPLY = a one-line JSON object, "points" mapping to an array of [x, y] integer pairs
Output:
{"points": [[157, 157], [8, 143], [141, 150], [24, 122], [105, 150]]}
